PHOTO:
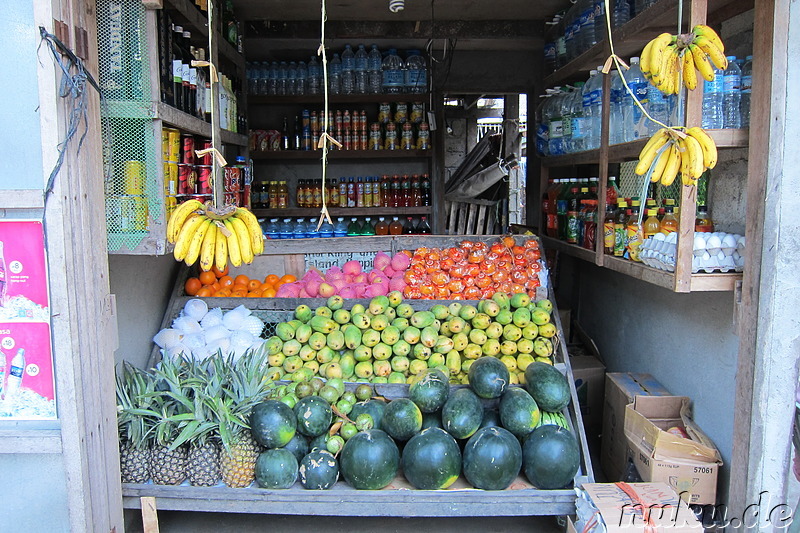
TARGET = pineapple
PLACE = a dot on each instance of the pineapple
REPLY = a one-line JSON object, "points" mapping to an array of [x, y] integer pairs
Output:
{"points": [[168, 455], [203, 466], [133, 390]]}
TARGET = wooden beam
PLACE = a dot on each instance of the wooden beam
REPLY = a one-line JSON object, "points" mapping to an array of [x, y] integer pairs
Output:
{"points": [[149, 514]]}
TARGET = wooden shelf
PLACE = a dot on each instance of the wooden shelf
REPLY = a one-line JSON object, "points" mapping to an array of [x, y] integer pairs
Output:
{"points": [[569, 249], [333, 155], [337, 99], [190, 124], [344, 211]]}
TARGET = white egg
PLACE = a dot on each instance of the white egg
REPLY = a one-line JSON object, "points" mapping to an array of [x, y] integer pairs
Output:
{"points": [[699, 245], [713, 245], [672, 237], [728, 244], [706, 256], [659, 236], [740, 244], [704, 235]]}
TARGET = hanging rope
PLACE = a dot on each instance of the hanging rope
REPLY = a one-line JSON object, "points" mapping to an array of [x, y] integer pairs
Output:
{"points": [[72, 86]]}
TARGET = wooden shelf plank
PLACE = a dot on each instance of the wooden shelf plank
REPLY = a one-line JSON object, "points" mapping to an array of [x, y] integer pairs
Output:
{"points": [[190, 124], [336, 99], [570, 249], [333, 155], [344, 211]]}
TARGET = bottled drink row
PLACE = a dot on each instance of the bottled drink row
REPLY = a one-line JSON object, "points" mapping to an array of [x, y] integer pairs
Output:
{"points": [[298, 228], [569, 118], [358, 72], [188, 88], [364, 192]]}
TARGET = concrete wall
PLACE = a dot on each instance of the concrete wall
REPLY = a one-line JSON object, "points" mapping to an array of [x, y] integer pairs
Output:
{"points": [[33, 493]]}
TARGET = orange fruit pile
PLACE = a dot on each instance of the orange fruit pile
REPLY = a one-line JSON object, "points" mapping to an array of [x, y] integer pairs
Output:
{"points": [[217, 283], [473, 270]]}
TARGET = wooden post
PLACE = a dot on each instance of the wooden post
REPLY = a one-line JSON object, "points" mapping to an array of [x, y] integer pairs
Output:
{"points": [[605, 133], [149, 514]]}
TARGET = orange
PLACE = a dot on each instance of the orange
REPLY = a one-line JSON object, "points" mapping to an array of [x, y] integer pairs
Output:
{"points": [[207, 278], [271, 279], [216, 286], [223, 293], [288, 278], [241, 279], [192, 286], [253, 284], [509, 241], [254, 294], [265, 286], [268, 293], [225, 281], [277, 285], [219, 273], [204, 292], [239, 293]]}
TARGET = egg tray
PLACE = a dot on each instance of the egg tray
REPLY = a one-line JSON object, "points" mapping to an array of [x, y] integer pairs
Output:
{"points": [[712, 252]]}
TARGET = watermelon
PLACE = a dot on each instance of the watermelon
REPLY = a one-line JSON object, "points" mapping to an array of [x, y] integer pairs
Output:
{"points": [[430, 391], [276, 469], [547, 385], [488, 377], [518, 412], [273, 424], [432, 420], [431, 460], [320, 442], [491, 418], [492, 459], [298, 446], [319, 470], [370, 460], [314, 415], [402, 419], [374, 408], [551, 456], [462, 414], [555, 419]]}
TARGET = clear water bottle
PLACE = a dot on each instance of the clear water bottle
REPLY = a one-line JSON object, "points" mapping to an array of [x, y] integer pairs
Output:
{"points": [[416, 75], [360, 71], [374, 75], [586, 101], [348, 70], [587, 25], [264, 78], [253, 75], [596, 103], [286, 229], [616, 127], [291, 79], [572, 33], [600, 30], [550, 56], [552, 114], [311, 229], [302, 78], [335, 75], [314, 82], [561, 43], [634, 123], [542, 135], [272, 231], [621, 13], [283, 76], [731, 91], [712, 102], [658, 107], [272, 81], [577, 123], [392, 69], [566, 120], [340, 228], [299, 229], [326, 229], [747, 86]]}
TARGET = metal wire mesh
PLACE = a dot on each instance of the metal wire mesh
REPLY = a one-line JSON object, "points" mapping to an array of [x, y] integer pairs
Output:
{"points": [[631, 185], [134, 200]]}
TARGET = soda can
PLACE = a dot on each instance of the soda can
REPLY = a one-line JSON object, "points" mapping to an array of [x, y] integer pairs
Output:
{"points": [[232, 179], [165, 144], [170, 203], [245, 196], [400, 112], [208, 158], [187, 178], [174, 145], [128, 213], [384, 112], [134, 174], [205, 183], [187, 153], [170, 178], [231, 198], [202, 198]]}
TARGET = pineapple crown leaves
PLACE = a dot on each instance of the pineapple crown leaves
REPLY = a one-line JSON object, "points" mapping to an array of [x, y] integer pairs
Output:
{"points": [[134, 388]]}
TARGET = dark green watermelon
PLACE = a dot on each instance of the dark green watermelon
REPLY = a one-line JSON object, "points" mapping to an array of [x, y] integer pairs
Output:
{"points": [[313, 415], [432, 420], [518, 412], [320, 442], [402, 419], [272, 423], [319, 470], [462, 414], [491, 419], [369, 460], [548, 386], [488, 377], [430, 391], [374, 408], [431, 460], [492, 459], [298, 446], [276, 469], [552, 457]]}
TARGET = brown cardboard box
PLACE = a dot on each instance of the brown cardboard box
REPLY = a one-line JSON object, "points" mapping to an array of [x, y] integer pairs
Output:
{"points": [[589, 373], [638, 507], [620, 390], [690, 466]]}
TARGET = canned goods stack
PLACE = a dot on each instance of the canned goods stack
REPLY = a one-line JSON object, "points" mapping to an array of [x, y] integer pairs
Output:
{"points": [[127, 205]]}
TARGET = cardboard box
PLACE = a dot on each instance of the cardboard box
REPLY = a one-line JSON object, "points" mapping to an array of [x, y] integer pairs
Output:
{"points": [[633, 507], [690, 466], [589, 373], [620, 390]]}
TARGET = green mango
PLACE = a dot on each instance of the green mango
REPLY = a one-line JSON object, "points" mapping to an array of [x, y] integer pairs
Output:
{"points": [[285, 331], [401, 348], [379, 322], [440, 312], [404, 310], [422, 319], [335, 340], [303, 313], [381, 351], [352, 338], [378, 305], [360, 320], [411, 334], [362, 353], [472, 351], [421, 352], [323, 324], [390, 335], [317, 340], [370, 337], [522, 317], [520, 300], [460, 341], [512, 332], [341, 316], [429, 336], [453, 361]]}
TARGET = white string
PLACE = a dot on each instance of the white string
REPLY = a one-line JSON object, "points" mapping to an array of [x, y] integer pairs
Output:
{"points": [[325, 138]]}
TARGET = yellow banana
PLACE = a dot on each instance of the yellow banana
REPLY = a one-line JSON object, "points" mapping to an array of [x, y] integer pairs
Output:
{"points": [[244, 239], [694, 155], [710, 34], [671, 69], [179, 216], [184, 238], [672, 167], [707, 144], [221, 249], [685, 160], [197, 242], [648, 153], [659, 46], [702, 63], [644, 59], [233, 244], [661, 164], [253, 228], [714, 53], [689, 73], [208, 248]]}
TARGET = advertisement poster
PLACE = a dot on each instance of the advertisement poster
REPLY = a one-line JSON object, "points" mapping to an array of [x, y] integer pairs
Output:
{"points": [[27, 390]]}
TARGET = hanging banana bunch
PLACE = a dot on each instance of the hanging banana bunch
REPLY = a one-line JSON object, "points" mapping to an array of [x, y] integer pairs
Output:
{"points": [[667, 57], [670, 152], [214, 237]]}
